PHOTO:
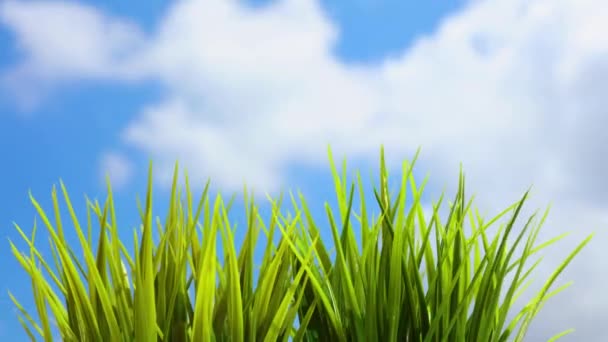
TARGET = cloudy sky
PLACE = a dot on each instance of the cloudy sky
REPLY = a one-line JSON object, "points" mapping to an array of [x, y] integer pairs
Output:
{"points": [[253, 91]]}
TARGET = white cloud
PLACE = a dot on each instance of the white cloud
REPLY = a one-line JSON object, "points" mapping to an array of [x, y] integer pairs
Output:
{"points": [[62, 41], [117, 167], [513, 89]]}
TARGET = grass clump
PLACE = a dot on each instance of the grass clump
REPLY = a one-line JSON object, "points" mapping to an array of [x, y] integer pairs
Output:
{"points": [[407, 278]]}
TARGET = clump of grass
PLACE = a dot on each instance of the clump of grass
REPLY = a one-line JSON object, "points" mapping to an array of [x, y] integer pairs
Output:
{"points": [[409, 278]]}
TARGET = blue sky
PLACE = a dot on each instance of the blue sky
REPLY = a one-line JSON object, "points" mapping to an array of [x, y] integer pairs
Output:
{"points": [[253, 92]]}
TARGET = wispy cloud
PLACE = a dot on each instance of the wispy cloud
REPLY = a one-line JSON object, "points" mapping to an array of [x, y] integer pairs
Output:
{"points": [[117, 167], [64, 41], [513, 89]]}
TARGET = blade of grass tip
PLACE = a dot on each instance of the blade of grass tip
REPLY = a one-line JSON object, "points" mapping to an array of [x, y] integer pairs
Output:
{"points": [[427, 250], [400, 289], [540, 297], [274, 205], [395, 286], [339, 187], [205, 293], [176, 320], [27, 329], [415, 287], [520, 284], [245, 258], [275, 209], [111, 250], [399, 207], [328, 304], [230, 202], [74, 320], [27, 316], [165, 256], [195, 246], [323, 323], [89, 204], [235, 304], [400, 203], [247, 262], [477, 228], [41, 303], [320, 250], [319, 325], [457, 200], [457, 253], [503, 310], [281, 314], [303, 333], [435, 270], [348, 279], [108, 326], [376, 282], [364, 218], [30, 244], [204, 198], [37, 280], [500, 267], [145, 310], [57, 213], [560, 335], [113, 231], [197, 252], [384, 198], [485, 226], [455, 229], [443, 309], [83, 309], [101, 260], [142, 214], [43, 288], [538, 248], [526, 310], [488, 291], [344, 180], [543, 245], [441, 283], [268, 282]]}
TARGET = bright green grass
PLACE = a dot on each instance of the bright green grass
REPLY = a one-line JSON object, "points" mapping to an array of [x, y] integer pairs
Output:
{"points": [[429, 279]]}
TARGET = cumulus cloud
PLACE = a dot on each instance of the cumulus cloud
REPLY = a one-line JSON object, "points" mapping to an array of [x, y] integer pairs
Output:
{"points": [[513, 89]]}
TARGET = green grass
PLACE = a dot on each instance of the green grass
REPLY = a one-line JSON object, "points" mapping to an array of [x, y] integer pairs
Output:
{"points": [[407, 278]]}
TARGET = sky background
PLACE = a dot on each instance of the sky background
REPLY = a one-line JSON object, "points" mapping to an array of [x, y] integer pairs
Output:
{"points": [[253, 91]]}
